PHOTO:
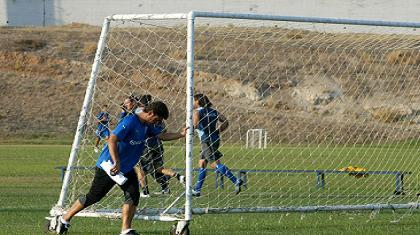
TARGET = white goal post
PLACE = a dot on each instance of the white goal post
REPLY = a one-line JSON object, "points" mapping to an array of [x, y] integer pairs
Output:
{"points": [[332, 93], [256, 138]]}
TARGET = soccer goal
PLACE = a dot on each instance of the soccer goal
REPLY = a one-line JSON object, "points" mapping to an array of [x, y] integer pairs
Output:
{"points": [[340, 99], [256, 138]]}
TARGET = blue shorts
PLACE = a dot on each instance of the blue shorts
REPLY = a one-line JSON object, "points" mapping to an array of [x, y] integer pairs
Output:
{"points": [[102, 132]]}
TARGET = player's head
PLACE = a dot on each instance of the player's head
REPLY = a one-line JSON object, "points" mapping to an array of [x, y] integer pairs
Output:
{"points": [[155, 112], [201, 100], [129, 103], [143, 100], [104, 107]]}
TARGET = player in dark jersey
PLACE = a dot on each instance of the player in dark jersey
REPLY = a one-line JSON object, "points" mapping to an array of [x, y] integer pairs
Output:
{"points": [[151, 163], [205, 120]]}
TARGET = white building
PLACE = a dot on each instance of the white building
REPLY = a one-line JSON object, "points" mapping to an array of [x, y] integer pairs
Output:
{"points": [[58, 12]]}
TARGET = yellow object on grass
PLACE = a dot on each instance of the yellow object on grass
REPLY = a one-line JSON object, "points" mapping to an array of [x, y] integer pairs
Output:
{"points": [[355, 171]]}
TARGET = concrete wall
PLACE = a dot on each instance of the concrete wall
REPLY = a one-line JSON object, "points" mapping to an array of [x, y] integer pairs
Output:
{"points": [[57, 12]]}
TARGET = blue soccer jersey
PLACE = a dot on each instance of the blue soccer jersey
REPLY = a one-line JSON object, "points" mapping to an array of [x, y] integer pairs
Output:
{"points": [[154, 141], [131, 134], [207, 125], [102, 115], [102, 129], [123, 114]]}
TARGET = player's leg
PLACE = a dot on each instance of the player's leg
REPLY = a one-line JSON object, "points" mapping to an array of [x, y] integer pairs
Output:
{"points": [[140, 175], [142, 178], [132, 196], [224, 170], [221, 168], [96, 147], [99, 134], [159, 169], [98, 139], [202, 172], [156, 155], [127, 215], [101, 185], [171, 173], [163, 181]]}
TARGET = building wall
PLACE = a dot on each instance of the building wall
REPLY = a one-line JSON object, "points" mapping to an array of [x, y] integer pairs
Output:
{"points": [[58, 12]]}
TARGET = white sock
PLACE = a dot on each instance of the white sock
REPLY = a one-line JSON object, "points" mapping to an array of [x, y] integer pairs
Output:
{"points": [[64, 221], [126, 231]]}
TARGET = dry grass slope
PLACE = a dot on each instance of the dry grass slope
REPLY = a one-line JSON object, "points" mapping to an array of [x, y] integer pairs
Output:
{"points": [[363, 80]]}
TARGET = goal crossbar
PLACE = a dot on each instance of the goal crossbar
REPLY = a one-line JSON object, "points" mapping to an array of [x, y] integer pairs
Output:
{"points": [[194, 14]]}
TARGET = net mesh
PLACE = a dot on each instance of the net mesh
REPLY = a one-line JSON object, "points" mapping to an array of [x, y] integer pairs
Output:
{"points": [[138, 59], [340, 104]]}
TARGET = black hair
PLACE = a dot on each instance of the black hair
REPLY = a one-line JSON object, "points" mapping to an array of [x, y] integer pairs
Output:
{"points": [[203, 100], [158, 108], [132, 98], [144, 100]]}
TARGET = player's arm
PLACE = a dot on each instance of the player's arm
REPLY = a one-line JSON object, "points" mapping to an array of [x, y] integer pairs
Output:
{"points": [[113, 151], [165, 136], [224, 123], [99, 118], [196, 118]]}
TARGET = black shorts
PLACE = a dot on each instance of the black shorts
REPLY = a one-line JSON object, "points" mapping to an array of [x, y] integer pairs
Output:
{"points": [[102, 184], [210, 151], [152, 159]]}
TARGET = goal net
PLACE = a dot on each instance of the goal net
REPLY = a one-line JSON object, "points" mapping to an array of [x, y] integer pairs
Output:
{"points": [[134, 58], [256, 138], [340, 99]]}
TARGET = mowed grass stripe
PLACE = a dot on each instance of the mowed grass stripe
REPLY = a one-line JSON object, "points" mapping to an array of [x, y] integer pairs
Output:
{"points": [[29, 186]]}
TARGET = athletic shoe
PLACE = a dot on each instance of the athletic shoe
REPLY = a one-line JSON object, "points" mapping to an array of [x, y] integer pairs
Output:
{"points": [[131, 232], [166, 191], [238, 186], [96, 150], [195, 193], [62, 227], [144, 195], [182, 180]]}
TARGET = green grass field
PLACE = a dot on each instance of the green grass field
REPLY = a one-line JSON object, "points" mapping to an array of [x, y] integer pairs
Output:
{"points": [[29, 186]]}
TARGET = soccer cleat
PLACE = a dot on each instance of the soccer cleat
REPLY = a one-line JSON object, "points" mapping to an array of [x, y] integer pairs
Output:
{"points": [[131, 232], [238, 186], [96, 150], [166, 191], [195, 193], [182, 180], [144, 195], [61, 228]]}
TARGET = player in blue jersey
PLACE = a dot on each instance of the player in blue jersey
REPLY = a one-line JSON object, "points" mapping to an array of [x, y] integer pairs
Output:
{"points": [[102, 130], [205, 120], [125, 146], [152, 160]]}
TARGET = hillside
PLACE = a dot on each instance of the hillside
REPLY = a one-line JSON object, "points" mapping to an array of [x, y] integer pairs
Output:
{"points": [[43, 75], [317, 92]]}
